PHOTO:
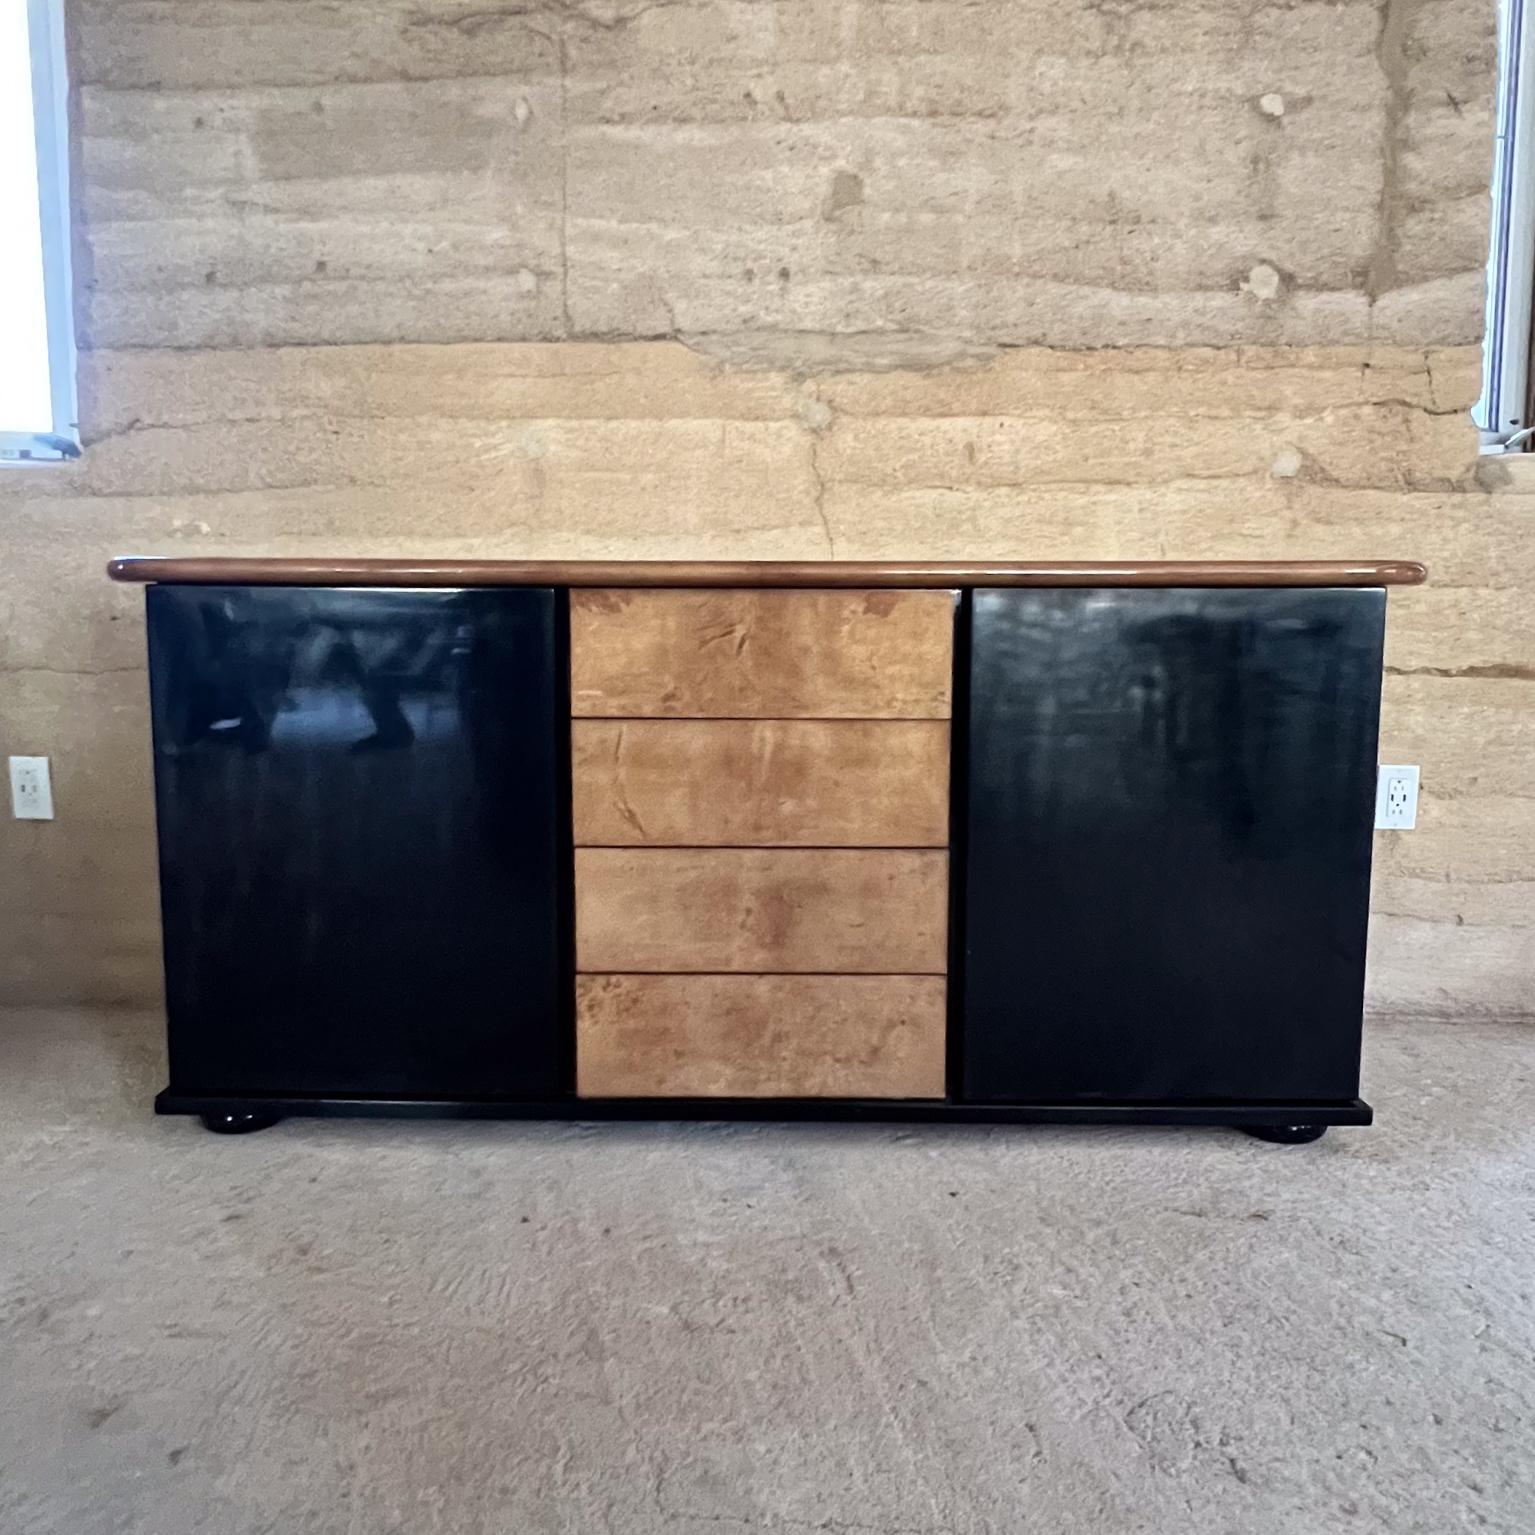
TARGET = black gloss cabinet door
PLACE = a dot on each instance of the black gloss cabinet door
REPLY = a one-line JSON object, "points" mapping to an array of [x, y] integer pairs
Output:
{"points": [[1170, 806], [360, 839]]}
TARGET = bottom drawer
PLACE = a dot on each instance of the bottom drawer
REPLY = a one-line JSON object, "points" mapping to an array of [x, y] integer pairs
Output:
{"points": [[760, 1036]]}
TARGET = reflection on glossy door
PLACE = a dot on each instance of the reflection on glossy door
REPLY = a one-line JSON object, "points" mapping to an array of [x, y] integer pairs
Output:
{"points": [[1170, 814], [360, 838]]}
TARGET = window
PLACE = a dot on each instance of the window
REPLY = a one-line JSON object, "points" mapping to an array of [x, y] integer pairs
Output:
{"points": [[37, 344], [1503, 412]]}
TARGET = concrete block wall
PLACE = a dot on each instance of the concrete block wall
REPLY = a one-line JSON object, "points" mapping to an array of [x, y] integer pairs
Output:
{"points": [[781, 278]]}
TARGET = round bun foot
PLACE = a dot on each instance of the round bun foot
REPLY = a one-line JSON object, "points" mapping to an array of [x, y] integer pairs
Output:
{"points": [[237, 1124], [1287, 1135]]}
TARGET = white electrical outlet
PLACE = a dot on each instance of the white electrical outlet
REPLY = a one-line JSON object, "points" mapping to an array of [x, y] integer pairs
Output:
{"points": [[1396, 797], [31, 789]]}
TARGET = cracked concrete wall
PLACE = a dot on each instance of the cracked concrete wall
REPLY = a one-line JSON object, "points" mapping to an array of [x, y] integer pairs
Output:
{"points": [[924, 176], [935, 278]]}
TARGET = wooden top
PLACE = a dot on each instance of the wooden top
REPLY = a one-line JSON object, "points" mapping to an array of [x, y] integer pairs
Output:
{"points": [[664, 573]]}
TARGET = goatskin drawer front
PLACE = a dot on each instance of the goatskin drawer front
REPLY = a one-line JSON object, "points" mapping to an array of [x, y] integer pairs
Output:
{"points": [[749, 654], [837, 910], [760, 783], [760, 1036]]}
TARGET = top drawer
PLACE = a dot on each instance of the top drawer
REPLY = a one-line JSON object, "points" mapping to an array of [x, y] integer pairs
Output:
{"points": [[761, 654]]}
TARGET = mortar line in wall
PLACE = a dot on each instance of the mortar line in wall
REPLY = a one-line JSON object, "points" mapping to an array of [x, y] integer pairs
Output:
{"points": [[1209, 360]]}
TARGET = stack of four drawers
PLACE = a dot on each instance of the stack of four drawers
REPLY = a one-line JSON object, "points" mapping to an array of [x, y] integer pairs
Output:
{"points": [[761, 816]]}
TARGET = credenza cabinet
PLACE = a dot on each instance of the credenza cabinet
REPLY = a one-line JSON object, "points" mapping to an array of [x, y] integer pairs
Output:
{"points": [[917, 842]]}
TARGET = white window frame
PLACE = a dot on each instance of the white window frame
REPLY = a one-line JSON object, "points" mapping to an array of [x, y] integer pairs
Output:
{"points": [[50, 109], [1503, 412]]}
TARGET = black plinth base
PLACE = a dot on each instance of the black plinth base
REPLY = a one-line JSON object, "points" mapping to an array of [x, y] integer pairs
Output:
{"points": [[1271, 1121]]}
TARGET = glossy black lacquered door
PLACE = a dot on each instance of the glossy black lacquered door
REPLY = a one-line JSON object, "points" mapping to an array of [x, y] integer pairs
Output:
{"points": [[1168, 859], [361, 839]]}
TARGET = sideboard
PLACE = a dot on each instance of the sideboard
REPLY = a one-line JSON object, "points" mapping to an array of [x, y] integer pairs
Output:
{"points": [[1009, 842]]}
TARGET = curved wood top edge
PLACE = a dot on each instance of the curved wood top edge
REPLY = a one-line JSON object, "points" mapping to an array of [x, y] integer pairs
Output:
{"points": [[850, 573]]}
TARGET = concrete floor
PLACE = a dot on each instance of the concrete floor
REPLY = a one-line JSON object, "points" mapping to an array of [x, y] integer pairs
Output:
{"points": [[361, 1328]]}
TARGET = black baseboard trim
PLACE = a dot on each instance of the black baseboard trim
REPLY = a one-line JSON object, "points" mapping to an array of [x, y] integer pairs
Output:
{"points": [[1352, 1111]]}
